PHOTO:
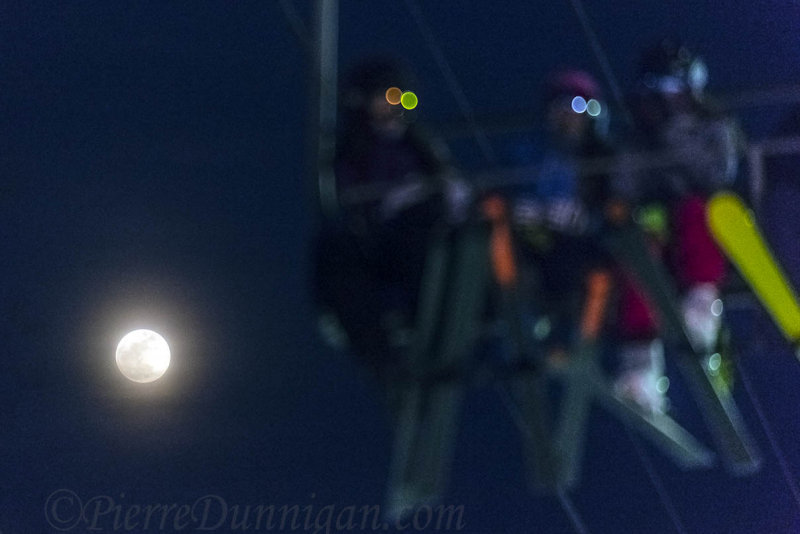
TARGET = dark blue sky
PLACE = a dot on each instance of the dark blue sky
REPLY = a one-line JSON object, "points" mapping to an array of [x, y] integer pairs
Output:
{"points": [[154, 175]]}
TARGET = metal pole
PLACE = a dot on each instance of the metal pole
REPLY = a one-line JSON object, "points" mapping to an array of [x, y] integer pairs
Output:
{"points": [[325, 73]]}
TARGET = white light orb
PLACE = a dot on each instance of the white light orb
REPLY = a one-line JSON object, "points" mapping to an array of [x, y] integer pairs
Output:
{"points": [[143, 356]]}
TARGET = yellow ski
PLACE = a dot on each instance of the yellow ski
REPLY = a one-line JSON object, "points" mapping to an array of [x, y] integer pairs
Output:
{"points": [[734, 228]]}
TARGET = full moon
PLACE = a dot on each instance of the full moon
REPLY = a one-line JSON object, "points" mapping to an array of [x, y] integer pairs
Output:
{"points": [[143, 356]]}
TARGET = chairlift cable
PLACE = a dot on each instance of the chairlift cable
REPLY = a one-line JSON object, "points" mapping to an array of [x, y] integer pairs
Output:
{"points": [[572, 513], [663, 495], [563, 499], [296, 23], [773, 442], [602, 59], [452, 81]]}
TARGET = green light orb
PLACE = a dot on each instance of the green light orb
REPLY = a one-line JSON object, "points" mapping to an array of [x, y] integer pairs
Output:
{"points": [[409, 100], [593, 107]]}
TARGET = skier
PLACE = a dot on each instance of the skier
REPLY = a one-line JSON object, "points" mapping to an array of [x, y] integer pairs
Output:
{"points": [[695, 151], [395, 185], [558, 214]]}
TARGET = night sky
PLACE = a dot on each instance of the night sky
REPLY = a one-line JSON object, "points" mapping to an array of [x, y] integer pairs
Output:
{"points": [[154, 174]]}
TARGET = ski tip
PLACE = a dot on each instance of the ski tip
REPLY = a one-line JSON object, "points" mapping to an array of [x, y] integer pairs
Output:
{"points": [[723, 196], [725, 204]]}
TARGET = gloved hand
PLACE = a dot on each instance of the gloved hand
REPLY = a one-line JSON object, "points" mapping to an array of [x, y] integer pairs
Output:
{"points": [[566, 216], [458, 199], [528, 213]]}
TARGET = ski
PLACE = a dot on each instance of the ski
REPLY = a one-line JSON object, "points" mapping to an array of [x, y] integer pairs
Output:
{"points": [[453, 294], [734, 441], [735, 230]]}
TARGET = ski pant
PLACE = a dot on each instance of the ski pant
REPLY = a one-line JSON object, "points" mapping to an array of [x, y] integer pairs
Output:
{"points": [[693, 258]]}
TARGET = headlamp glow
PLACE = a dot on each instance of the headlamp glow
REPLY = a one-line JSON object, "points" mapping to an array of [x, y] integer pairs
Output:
{"points": [[591, 106]]}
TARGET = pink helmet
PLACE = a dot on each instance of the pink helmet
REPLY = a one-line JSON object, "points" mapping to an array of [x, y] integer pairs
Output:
{"points": [[571, 82]]}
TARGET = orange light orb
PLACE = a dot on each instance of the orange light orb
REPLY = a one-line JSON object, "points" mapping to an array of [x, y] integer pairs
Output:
{"points": [[393, 95]]}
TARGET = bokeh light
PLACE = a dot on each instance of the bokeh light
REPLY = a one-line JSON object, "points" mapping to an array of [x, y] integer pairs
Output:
{"points": [[593, 107], [393, 95], [409, 100], [578, 104], [662, 384]]}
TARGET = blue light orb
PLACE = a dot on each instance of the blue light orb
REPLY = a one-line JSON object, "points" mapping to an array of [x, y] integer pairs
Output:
{"points": [[578, 104]]}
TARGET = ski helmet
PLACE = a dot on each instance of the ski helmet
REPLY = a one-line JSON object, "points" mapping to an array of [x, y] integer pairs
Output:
{"points": [[580, 88], [372, 76], [571, 82], [670, 67]]}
